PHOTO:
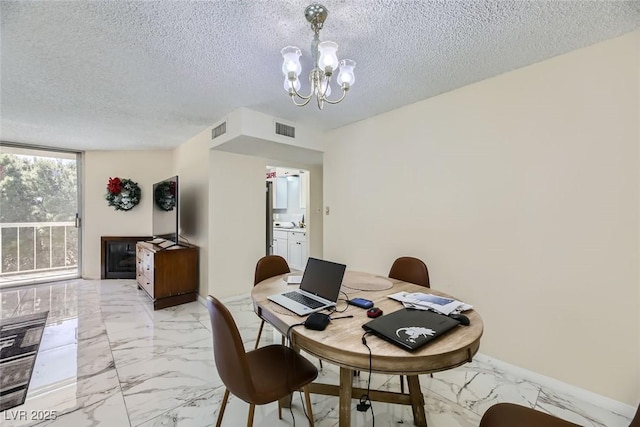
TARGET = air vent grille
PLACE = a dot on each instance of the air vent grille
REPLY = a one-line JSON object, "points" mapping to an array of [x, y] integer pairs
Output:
{"points": [[285, 130], [221, 129]]}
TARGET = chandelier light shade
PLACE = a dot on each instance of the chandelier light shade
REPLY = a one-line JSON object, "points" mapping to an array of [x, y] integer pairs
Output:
{"points": [[325, 64]]}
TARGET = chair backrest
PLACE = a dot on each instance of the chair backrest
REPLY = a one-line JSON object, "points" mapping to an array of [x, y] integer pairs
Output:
{"points": [[409, 269], [229, 352], [636, 420], [269, 266]]}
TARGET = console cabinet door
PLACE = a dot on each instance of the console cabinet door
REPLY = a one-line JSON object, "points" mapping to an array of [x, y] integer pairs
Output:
{"points": [[144, 269]]}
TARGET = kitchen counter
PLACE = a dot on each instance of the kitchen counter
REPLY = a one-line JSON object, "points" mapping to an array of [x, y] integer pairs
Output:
{"points": [[291, 229]]}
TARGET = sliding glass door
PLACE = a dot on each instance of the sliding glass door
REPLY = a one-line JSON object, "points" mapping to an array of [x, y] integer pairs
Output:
{"points": [[39, 215]]}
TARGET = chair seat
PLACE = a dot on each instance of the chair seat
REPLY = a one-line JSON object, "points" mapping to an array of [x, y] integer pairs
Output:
{"points": [[283, 363], [511, 415]]}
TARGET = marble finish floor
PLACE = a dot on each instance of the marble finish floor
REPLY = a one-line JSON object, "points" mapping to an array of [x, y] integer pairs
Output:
{"points": [[108, 359]]}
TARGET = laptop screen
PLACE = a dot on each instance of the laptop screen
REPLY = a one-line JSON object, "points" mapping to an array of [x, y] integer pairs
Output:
{"points": [[323, 278]]}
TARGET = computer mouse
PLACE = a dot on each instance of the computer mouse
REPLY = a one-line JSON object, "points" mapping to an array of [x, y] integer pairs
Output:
{"points": [[374, 312], [464, 320]]}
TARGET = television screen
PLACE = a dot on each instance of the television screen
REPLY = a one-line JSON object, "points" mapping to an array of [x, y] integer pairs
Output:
{"points": [[165, 209]]}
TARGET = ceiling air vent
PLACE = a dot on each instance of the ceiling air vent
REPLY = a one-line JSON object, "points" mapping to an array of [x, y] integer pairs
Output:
{"points": [[285, 130], [221, 129]]}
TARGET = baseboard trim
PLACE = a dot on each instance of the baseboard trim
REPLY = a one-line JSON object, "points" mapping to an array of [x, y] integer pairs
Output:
{"points": [[558, 386], [201, 300]]}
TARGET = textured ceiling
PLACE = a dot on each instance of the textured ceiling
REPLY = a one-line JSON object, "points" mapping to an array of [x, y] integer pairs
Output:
{"points": [[151, 74]]}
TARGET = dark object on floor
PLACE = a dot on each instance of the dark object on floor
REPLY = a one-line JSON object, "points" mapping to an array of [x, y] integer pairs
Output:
{"points": [[260, 376], [19, 342], [510, 415]]}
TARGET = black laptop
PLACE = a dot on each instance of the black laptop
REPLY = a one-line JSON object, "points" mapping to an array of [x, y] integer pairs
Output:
{"points": [[410, 329]]}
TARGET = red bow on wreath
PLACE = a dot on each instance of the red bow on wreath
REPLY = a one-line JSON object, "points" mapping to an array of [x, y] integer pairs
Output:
{"points": [[114, 186]]}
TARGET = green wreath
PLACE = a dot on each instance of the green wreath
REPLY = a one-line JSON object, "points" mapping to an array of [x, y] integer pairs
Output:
{"points": [[122, 194], [165, 195]]}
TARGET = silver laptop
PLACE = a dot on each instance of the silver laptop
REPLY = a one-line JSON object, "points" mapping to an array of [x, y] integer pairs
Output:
{"points": [[318, 290]]}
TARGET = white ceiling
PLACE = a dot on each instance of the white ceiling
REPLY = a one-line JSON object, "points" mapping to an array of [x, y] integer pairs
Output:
{"points": [[118, 75]]}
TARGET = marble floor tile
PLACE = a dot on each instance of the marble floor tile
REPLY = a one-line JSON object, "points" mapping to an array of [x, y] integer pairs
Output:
{"points": [[161, 339], [171, 381], [199, 412], [107, 358], [571, 409], [66, 395], [477, 386], [109, 412]]}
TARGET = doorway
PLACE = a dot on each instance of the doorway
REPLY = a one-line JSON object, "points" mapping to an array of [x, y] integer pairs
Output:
{"points": [[40, 231], [287, 219]]}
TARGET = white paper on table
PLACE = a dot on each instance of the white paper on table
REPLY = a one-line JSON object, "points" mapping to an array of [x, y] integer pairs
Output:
{"points": [[422, 301], [294, 280]]}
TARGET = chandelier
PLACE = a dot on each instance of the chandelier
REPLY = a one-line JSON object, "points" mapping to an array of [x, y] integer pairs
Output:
{"points": [[325, 63]]}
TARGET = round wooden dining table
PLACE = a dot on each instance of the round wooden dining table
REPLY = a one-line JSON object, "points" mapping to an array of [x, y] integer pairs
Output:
{"points": [[341, 342]]}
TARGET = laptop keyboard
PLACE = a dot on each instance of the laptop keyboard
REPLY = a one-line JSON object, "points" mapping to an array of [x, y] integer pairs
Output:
{"points": [[303, 299]]}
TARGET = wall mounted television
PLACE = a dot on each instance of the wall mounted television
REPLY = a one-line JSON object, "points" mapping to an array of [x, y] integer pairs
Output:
{"points": [[165, 225]]}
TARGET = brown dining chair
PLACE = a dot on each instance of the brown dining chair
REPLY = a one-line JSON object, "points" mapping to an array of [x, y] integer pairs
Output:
{"points": [[409, 269], [412, 270], [510, 414], [266, 267], [260, 376]]}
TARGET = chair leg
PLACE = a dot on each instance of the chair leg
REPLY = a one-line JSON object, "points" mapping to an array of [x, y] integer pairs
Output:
{"points": [[252, 407], [320, 360], [307, 399], [259, 333], [222, 407], [402, 384], [279, 410], [283, 340]]}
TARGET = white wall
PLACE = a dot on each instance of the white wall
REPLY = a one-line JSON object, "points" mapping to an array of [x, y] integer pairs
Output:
{"points": [[192, 166], [521, 193], [237, 222], [100, 219], [261, 126]]}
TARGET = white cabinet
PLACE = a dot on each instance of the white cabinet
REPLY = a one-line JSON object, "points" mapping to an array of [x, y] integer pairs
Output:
{"points": [[280, 193], [304, 189], [297, 250], [280, 243], [292, 246]]}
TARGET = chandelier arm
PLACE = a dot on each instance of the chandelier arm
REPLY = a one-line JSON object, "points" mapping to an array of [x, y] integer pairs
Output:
{"points": [[296, 93], [344, 93], [301, 104], [323, 77]]}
